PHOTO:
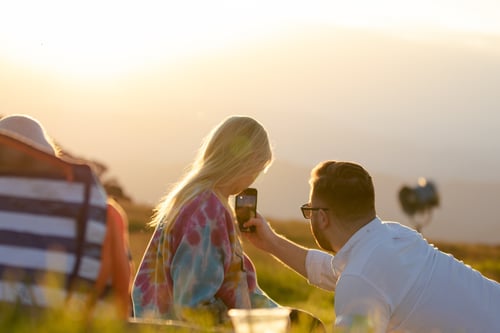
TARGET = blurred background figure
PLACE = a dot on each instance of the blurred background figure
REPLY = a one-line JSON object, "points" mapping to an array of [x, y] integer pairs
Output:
{"points": [[61, 237], [117, 215]]}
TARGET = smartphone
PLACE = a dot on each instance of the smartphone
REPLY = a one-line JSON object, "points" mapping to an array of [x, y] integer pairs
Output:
{"points": [[245, 207]]}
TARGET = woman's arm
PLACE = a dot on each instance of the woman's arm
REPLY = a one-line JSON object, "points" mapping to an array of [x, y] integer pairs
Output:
{"points": [[314, 265], [115, 267]]}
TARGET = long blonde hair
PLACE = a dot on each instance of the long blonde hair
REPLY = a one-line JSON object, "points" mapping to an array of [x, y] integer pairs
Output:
{"points": [[238, 146]]}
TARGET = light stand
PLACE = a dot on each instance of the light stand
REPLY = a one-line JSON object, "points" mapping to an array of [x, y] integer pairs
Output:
{"points": [[417, 202]]}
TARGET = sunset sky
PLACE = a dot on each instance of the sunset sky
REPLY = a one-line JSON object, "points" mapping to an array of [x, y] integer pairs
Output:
{"points": [[102, 38], [405, 87]]}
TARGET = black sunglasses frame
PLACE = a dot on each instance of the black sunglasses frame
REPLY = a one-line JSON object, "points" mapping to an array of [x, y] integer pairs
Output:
{"points": [[307, 210]]}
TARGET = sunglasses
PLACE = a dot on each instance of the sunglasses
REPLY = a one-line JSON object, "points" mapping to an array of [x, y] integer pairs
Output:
{"points": [[307, 210]]}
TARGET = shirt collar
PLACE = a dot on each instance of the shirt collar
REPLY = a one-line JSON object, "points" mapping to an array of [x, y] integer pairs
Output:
{"points": [[360, 236]]}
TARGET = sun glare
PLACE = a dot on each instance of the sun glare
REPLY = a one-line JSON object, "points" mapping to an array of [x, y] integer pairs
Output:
{"points": [[109, 37], [84, 38]]}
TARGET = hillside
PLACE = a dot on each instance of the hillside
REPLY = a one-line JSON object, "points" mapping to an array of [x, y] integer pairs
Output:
{"points": [[467, 212], [484, 257]]}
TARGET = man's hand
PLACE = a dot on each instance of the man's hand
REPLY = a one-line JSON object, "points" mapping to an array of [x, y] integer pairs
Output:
{"points": [[264, 236], [286, 251]]}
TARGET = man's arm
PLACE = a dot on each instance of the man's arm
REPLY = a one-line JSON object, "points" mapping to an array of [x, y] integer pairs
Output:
{"points": [[265, 238], [314, 265]]}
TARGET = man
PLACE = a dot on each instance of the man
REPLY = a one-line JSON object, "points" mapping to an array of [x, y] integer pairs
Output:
{"points": [[382, 272]]}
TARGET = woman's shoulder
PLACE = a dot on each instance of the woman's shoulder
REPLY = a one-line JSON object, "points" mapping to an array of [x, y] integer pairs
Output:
{"points": [[207, 197], [206, 206]]}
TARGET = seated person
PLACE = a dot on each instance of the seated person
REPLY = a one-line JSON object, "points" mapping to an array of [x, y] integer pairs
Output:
{"points": [[194, 268], [38, 226]]}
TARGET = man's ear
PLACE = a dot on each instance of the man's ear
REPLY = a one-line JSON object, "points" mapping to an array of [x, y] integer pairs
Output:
{"points": [[324, 219]]}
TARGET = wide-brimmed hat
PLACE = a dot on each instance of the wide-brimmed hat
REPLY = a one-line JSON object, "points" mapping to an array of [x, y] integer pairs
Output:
{"points": [[28, 130]]}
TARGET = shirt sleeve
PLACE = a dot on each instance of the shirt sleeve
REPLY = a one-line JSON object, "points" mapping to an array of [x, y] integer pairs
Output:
{"points": [[320, 271], [359, 304]]}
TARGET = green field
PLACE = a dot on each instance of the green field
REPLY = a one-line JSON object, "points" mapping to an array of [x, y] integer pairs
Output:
{"points": [[279, 282], [287, 287]]}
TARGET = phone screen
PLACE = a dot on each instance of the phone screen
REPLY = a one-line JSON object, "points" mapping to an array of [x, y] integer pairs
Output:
{"points": [[246, 207]]}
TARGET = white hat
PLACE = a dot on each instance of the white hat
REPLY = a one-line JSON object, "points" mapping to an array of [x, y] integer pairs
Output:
{"points": [[28, 130]]}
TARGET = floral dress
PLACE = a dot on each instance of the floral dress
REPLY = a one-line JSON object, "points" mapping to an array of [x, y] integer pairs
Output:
{"points": [[198, 264]]}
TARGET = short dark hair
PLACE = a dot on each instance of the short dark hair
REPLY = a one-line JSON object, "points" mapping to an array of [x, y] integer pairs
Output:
{"points": [[346, 187]]}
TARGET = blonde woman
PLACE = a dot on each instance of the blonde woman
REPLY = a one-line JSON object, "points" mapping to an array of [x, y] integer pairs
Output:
{"points": [[194, 263]]}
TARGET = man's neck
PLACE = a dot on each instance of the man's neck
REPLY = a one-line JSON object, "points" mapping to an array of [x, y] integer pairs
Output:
{"points": [[348, 229]]}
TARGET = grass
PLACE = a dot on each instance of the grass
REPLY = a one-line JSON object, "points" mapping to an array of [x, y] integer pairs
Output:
{"points": [[279, 282], [288, 288], [285, 286]]}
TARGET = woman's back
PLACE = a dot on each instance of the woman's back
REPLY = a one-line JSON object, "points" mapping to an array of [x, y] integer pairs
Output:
{"points": [[197, 264]]}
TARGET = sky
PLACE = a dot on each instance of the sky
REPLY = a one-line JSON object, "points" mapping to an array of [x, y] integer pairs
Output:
{"points": [[102, 38], [407, 88]]}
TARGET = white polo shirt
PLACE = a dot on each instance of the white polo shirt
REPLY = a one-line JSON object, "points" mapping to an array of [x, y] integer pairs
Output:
{"points": [[389, 274]]}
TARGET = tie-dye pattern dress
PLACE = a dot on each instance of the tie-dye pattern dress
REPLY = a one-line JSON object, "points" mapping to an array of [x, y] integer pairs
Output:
{"points": [[198, 264]]}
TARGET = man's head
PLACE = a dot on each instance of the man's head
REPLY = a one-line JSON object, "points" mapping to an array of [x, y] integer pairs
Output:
{"points": [[342, 200], [346, 188]]}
